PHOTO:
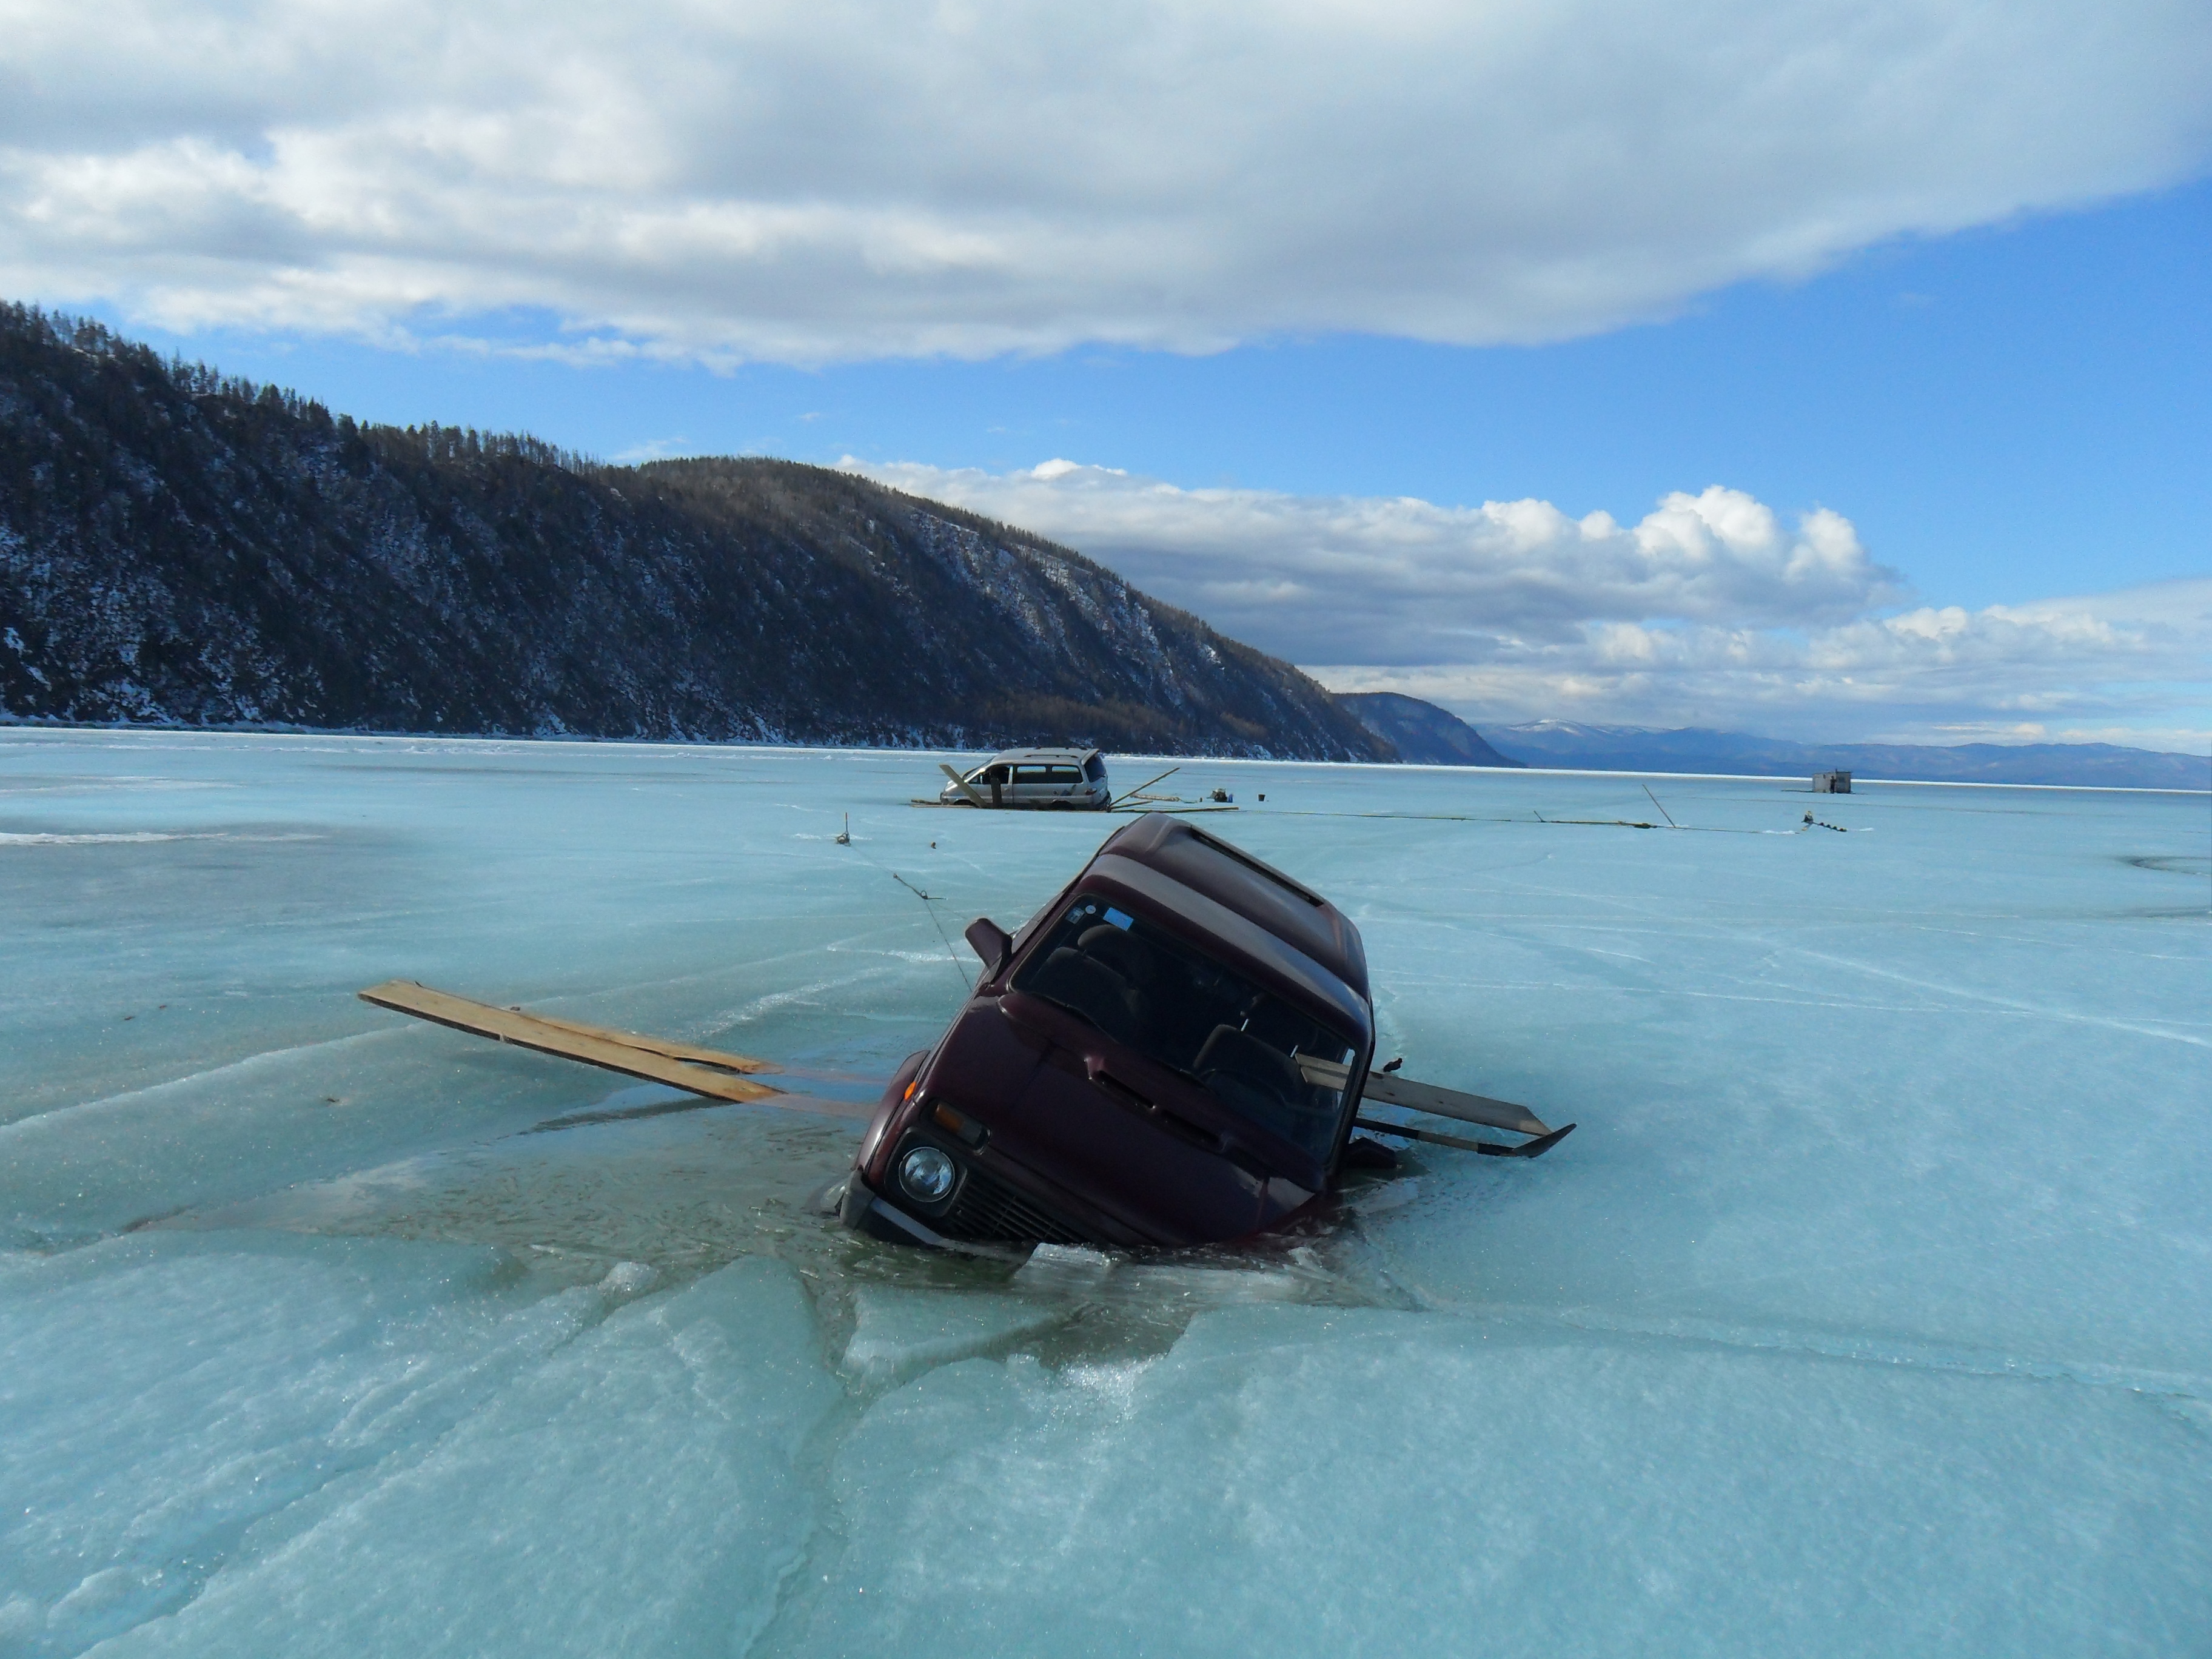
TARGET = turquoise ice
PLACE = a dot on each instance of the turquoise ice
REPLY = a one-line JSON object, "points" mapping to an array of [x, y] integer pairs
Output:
{"points": [[1864, 1313]]}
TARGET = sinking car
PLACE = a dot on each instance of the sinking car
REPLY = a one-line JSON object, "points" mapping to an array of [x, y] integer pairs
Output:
{"points": [[1050, 779], [1173, 1052]]}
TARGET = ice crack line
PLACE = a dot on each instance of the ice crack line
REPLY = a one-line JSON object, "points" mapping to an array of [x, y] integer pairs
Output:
{"points": [[244, 1067], [2188, 1385], [2010, 1005]]}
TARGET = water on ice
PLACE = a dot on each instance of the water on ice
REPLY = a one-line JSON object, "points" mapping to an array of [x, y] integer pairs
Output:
{"points": [[1369, 1482], [1863, 1313]]}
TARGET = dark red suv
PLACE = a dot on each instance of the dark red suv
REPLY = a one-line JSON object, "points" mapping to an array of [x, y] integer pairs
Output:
{"points": [[1168, 1054]]}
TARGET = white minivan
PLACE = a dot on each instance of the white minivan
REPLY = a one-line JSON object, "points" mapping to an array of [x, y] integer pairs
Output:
{"points": [[1070, 778]]}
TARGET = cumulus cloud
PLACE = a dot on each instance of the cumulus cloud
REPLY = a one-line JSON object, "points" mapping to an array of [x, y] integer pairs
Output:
{"points": [[843, 178], [2133, 666], [1708, 611], [1339, 579]]}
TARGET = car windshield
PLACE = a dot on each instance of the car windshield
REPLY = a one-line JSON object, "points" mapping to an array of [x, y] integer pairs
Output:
{"points": [[1144, 987]]}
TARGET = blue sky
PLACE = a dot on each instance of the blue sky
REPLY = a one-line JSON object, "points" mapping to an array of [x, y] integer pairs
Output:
{"points": [[1826, 367]]}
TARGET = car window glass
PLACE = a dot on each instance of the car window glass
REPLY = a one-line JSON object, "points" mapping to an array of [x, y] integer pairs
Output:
{"points": [[1146, 988]]}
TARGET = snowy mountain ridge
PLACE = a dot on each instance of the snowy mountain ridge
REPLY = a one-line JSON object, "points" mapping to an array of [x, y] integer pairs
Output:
{"points": [[1571, 744]]}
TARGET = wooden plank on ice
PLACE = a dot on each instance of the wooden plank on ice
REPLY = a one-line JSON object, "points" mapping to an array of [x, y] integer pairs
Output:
{"points": [[1389, 1089], [706, 1071], [710, 1057]]}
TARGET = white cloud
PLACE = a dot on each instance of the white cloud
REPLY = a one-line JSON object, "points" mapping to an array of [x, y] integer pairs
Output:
{"points": [[1710, 610], [2129, 667], [853, 178], [1402, 580]]}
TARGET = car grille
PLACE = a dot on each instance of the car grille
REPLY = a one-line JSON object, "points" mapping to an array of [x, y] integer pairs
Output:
{"points": [[987, 1211]]}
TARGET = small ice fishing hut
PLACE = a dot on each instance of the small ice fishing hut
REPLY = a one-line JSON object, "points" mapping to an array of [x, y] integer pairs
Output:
{"points": [[1832, 783]]}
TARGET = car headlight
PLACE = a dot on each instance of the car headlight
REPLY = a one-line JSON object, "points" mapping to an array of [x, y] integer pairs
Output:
{"points": [[928, 1175]]}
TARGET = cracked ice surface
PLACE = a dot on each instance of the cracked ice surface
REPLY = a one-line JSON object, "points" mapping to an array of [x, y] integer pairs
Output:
{"points": [[1864, 1313]]}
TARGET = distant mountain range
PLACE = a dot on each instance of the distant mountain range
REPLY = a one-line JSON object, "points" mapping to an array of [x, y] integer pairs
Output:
{"points": [[1422, 733], [179, 548], [1641, 749]]}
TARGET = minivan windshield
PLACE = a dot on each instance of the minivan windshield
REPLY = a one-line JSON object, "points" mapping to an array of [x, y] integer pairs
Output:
{"points": [[1174, 1005]]}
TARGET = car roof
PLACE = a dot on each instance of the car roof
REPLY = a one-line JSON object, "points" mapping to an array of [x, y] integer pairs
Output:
{"points": [[1258, 892], [1041, 756]]}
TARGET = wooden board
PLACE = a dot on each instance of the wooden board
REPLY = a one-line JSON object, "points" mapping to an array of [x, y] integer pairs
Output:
{"points": [[706, 1071], [1389, 1089], [713, 1058], [962, 785]]}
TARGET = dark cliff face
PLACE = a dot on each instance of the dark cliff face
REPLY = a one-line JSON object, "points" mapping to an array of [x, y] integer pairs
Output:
{"points": [[176, 548]]}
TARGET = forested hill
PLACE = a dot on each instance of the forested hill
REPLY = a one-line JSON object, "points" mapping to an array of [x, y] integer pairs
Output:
{"points": [[1422, 733], [178, 547]]}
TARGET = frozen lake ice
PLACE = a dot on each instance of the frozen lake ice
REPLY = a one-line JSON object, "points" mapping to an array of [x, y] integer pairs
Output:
{"points": [[1868, 1312]]}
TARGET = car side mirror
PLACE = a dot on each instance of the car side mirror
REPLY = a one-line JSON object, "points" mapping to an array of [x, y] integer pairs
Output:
{"points": [[989, 941]]}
